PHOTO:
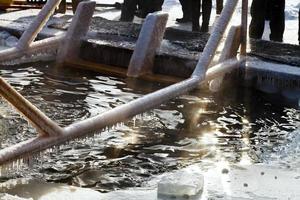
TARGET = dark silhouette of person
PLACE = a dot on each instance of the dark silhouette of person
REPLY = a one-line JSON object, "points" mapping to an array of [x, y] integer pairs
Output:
{"points": [[299, 26], [219, 6], [149, 6], [206, 11], [128, 10], [187, 10], [263, 9], [186, 6], [141, 8]]}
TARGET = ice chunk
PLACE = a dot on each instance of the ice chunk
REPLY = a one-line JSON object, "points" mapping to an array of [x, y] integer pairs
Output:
{"points": [[181, 184], [4, 34], [149, 41], [215, 84], [11, 41]]}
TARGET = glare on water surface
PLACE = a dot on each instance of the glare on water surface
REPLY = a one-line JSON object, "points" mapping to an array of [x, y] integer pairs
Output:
{"points": [[233, 126]]}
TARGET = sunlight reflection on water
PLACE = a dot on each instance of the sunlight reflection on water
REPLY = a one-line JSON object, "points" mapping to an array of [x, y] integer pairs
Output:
{"points": [[198, 126]]}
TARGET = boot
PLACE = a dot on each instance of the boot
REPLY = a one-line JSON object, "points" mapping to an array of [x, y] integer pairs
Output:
{"points": [[204, 28]]}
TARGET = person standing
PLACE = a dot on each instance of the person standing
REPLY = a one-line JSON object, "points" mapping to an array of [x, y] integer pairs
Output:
{"points": [[206, 11], [260, 9], [219, 6], [149, 6], [186, 6], [140, 8], [129, 8], [299, 26]]}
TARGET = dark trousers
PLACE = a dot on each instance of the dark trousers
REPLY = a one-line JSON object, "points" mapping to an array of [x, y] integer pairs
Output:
{"points": [[128, 10], [299, 27], [206, 11], [186, 6], [149, 6], [219, 6], [260, 9]]}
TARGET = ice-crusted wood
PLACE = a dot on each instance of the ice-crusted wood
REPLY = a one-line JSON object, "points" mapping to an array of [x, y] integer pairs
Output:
{"points": [[148, 43], [69, 48]]}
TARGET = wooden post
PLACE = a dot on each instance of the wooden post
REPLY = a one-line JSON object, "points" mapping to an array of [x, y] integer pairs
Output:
{"points": [[149, 41], [70, 46]]}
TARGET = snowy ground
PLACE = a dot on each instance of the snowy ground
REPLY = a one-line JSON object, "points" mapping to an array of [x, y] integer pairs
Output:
{"points": [[226, 182], [174, 9]]}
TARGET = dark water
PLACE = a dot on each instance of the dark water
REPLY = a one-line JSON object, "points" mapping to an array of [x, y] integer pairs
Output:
{"points": [[236, 125]]}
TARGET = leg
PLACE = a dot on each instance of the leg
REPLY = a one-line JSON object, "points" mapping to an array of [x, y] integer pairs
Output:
{"points": [[257, 24], [186, 10], [219, 6], [159, 5], [277, 20], [268, 10], [206, 11], [155, 5], [128, 10], [143, 8], [196, 4]]}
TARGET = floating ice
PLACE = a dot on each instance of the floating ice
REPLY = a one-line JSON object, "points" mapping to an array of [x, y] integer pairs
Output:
{"points": [[3, 36], [215, 85], [181, 184], [11, 41]]}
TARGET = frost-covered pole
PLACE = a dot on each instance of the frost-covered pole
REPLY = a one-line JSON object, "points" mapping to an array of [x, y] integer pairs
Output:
{"points": [[25, 45], [149, 41], [215, 38], [44, 125], [38, 23], [40, 46]]}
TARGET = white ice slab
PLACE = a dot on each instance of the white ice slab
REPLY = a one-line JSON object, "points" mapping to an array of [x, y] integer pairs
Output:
{"points": [[183, 183]]}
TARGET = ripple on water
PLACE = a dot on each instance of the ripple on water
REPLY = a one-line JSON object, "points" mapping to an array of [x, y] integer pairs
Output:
{"points": [[185, 130]]}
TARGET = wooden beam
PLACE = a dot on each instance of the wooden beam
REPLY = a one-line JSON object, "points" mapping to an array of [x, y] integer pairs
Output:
{"points": [[118, 71], [69, 48], [148, 43]]}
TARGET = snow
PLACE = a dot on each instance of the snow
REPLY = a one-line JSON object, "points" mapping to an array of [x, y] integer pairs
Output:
{"points": [[222, 181], [174, 9]]}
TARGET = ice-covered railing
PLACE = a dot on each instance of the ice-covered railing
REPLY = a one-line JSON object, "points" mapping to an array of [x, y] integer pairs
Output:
{"points": [[50, 134], [26, 45]]}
